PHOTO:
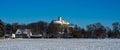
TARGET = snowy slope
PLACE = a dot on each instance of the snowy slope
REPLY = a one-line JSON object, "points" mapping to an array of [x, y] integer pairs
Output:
{"points": [[60, 44]]}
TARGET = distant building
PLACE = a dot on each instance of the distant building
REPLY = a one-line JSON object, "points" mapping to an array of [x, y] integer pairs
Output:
{"points": [[23, 33], [64, 30], [60, 21], [26, 33]]}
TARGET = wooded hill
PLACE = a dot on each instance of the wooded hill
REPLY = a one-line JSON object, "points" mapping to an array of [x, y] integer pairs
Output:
{"points": [[51, 30]]}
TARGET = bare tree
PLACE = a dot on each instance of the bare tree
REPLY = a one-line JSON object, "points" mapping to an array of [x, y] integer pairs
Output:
{"points": [[116, 30], [2, 28], [96, 30]]}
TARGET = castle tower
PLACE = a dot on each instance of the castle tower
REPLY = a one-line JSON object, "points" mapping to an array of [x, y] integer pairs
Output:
{"points": [[59, 18]]}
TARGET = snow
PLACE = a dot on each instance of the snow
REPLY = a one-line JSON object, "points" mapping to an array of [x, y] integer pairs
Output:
{"points": [[59, 44]]}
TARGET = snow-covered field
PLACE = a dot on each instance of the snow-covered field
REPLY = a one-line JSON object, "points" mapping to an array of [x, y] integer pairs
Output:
{"points": [[59, 44]]}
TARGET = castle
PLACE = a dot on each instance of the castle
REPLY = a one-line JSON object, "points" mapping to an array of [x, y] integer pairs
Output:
{"points": [[60, 21]]}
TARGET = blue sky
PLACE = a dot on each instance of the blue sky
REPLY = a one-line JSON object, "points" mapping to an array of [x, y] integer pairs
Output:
{"points": [[80, 12]]}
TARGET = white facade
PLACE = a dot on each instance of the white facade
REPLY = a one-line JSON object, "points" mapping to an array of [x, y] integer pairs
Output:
{"points": [[60, 21], [22, 32], [13, 35]]}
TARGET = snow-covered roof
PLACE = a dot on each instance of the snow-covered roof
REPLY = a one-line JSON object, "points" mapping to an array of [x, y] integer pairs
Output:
{"points": [[22, 31]]}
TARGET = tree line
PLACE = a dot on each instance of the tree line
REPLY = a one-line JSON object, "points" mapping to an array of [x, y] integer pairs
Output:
{"points": [[52, 30]]}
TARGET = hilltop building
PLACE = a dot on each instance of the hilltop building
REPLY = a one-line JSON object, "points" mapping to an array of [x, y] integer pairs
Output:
{"points": [[60, 21], [63, 27]]}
